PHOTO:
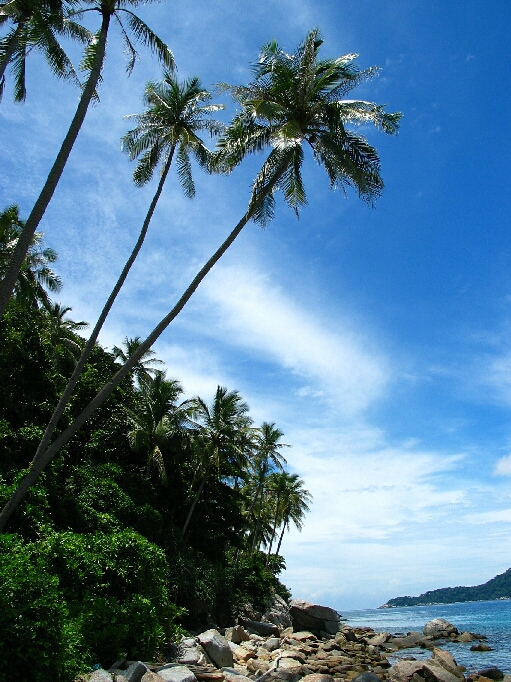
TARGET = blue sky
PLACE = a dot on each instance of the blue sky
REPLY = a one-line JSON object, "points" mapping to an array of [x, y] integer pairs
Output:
{"points": [[378, 340]]}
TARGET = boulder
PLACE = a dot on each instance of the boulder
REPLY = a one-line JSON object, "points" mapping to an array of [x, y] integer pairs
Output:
{"points": [[272, 643], [135, 671], [176, 673], [238, 634], [412, 639], [466, 637], [403, 671], [263, 629], [308, 616], [217, 648], [439, 627], [480, 647], [100, 676], [434, 672], [191, 656], [149, 676], [447, 662], [379, 639]]}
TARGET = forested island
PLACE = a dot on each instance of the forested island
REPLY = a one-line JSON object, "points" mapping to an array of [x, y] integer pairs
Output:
{"points": [[498, 587]]}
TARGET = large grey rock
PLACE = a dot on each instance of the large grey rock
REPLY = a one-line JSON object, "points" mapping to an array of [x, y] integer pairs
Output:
{"points": [[217, 648], [135, 671], [176, 673], [308, 616], [272, 643], [439, 627]]}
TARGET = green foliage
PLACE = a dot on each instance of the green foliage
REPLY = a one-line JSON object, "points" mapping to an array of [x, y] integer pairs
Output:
{"points": [[39, 639], [254, 583]]}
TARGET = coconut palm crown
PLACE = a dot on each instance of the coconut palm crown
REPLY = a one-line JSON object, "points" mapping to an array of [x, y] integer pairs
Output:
{"points": [[295, 99], [176, 112]]}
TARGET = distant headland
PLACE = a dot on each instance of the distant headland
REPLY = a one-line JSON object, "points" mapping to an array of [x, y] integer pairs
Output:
{"points": [[496, 588]]}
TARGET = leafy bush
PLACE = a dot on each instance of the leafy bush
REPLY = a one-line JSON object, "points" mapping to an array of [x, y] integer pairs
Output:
{"points": [[39, 639]]}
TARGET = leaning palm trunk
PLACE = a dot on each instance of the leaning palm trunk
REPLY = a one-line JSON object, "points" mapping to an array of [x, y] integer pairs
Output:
{"points": [[25, 239], [274, 532], [66, 395], [38, 464]]}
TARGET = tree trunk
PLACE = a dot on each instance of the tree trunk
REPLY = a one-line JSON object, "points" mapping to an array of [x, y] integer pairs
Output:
{"points": [[280, 539], [13, 44], [195, 500], [274, 533], [38, 465], [66, 395], [25, 238]]}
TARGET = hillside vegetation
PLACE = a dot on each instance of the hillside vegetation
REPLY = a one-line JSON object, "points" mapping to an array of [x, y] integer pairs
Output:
{"points": [[496, 588]]}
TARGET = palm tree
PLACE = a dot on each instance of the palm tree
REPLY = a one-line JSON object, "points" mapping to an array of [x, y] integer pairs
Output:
{"points": [[37, 23], [61, 332], [293, 505], [176, 112], [92, 62], [267, 458], [142, 370], [223, 438], [36, 275], [289, 504], [152, 422], [293, 99]]}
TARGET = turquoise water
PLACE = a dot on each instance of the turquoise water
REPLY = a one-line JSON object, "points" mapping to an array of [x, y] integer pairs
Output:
{"points": [[490, 618]]}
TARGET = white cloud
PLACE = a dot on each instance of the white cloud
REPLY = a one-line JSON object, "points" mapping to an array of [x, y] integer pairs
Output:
{"points": [[254, 313], [503, 466]]}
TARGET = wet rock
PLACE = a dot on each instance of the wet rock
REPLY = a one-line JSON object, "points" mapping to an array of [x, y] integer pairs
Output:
{"points": [[480, 647], [466, 637], [412, 639]]}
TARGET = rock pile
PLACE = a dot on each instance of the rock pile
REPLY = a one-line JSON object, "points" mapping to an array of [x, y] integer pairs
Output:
{"points": [[257, 651]]}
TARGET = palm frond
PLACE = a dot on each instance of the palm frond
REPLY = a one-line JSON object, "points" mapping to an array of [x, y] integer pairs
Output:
{"points": [[147, 37], [184, 172]]}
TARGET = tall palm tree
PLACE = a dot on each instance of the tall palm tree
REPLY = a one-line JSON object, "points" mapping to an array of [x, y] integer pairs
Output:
{"points": [[152, 422], [267, 458], [223, 439], [93, 63], [176, 112], [36, 26], [61, 332], [294, 505], [293, 100], [143, 371], [289, 499], [36, 275]]}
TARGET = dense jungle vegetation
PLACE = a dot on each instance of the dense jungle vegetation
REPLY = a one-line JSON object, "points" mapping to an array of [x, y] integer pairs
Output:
{"points": [[152, 518]]}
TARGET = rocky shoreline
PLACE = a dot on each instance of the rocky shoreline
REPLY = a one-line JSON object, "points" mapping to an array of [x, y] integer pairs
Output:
{"points": [[304, 642]]}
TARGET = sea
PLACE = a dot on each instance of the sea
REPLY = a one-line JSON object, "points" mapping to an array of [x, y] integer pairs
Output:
{"points": [[490, 618]]}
